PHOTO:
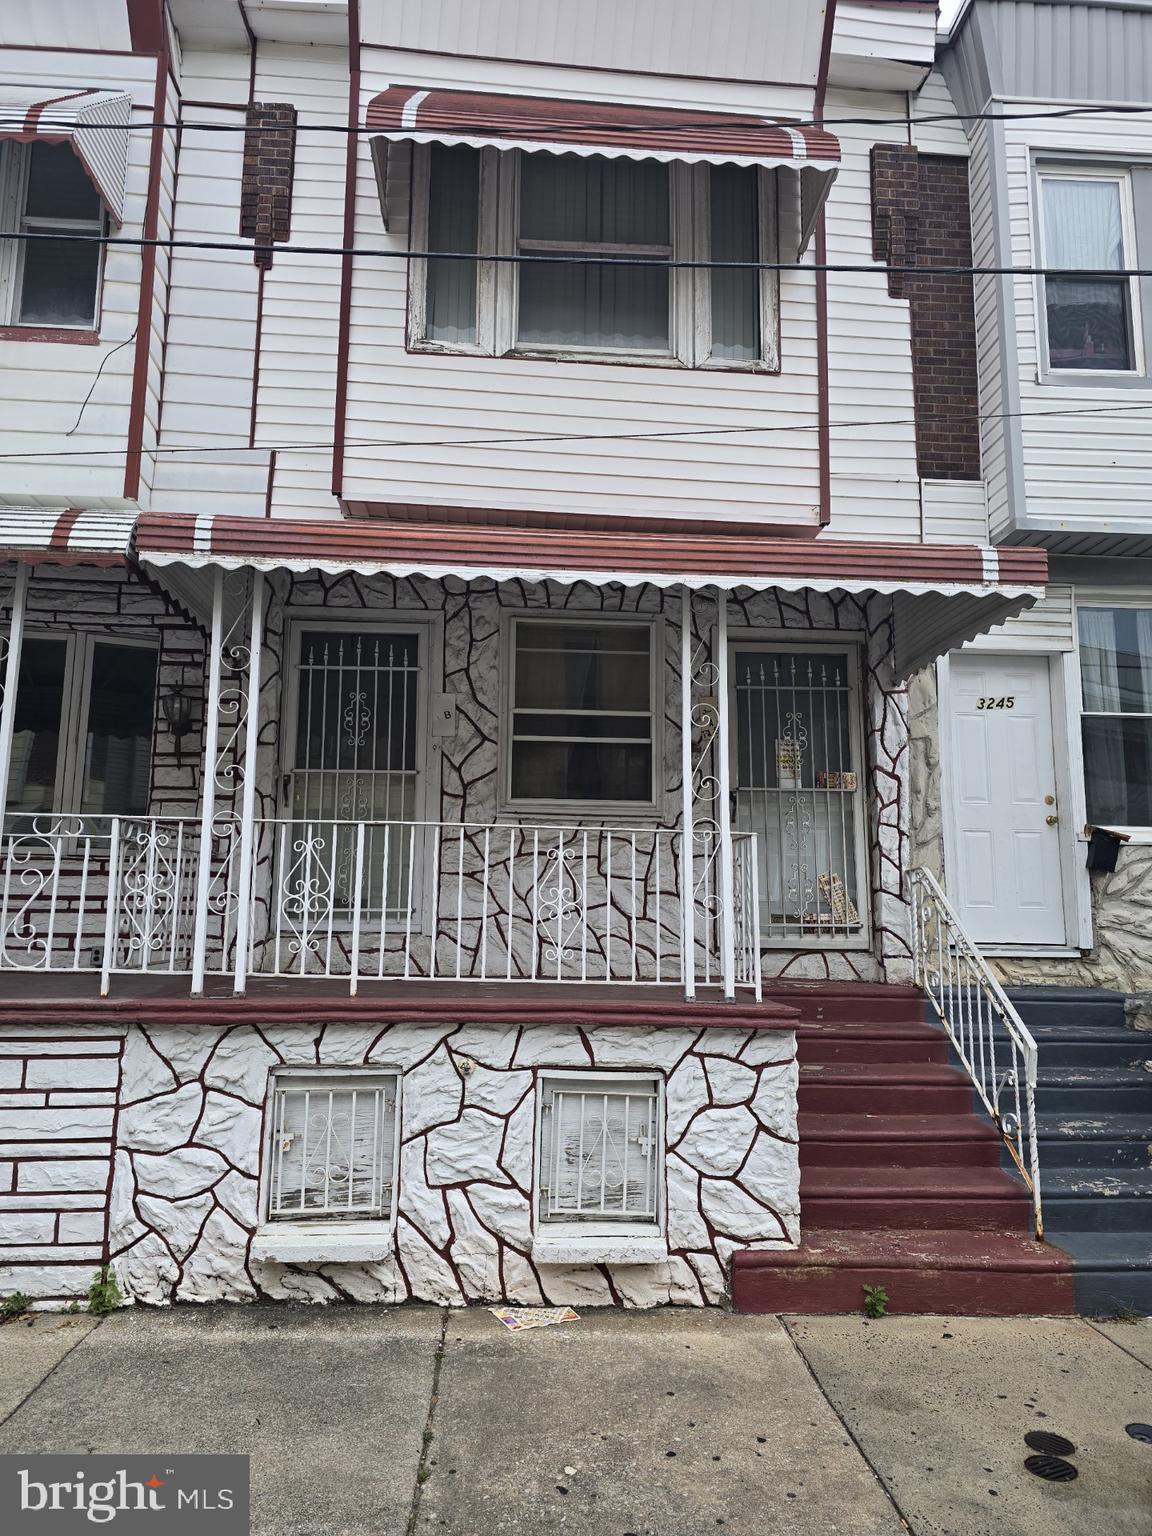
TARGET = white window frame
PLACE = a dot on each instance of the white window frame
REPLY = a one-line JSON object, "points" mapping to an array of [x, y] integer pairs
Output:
{"points": [[1101, 598], [497, 283], [15, 164], [1086, 172], [614, 810], [75, 707], [334, 1079], [572, 1227]]}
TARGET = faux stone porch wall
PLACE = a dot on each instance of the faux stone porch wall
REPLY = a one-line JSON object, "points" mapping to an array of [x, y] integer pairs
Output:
{"points": [[1121, 955], [465, 769], [190, 1133]]}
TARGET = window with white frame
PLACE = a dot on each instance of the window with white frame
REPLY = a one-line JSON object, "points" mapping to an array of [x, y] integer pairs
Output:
{"points": [[83, 726], [600, 1151], [51, 281], [332, 1146], [581, 715], [1086, 225], [632, 215], [1116, 720]]}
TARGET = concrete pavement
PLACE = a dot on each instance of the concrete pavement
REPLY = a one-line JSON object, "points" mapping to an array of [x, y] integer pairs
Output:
{"points": [[409, 1421]]}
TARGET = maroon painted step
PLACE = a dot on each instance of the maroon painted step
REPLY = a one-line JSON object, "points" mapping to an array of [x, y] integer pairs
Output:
{"points": [[897, 1141], [871, 1042], [978, 1274], [849, 1002], [972, 1199], [896, 1088]]}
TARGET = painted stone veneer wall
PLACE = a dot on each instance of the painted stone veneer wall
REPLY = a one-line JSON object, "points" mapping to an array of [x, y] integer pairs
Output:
{"points": [[1121, 953], [464, 770], [190, 1131]]}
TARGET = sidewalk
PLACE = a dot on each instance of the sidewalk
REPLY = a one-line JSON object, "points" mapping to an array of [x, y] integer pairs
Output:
{"points": [[675, 1423]]}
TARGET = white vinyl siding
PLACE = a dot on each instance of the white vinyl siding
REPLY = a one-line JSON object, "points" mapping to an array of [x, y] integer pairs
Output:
{"points": [[600, 1151], [332, 1147]]}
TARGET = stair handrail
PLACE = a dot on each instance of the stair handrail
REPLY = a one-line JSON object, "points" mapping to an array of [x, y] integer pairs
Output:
{"points": [[970, 1002]]}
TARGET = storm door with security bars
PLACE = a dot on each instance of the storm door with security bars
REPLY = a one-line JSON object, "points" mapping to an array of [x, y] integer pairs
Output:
{"points": [[356, 748], [799, 785]]}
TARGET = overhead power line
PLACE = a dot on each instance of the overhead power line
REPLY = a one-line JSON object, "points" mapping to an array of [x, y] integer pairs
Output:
{"points": [[655, 435], [698, 125], [579, 259]]}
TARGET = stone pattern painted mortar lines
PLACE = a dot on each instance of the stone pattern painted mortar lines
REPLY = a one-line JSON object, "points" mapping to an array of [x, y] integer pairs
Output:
{"points": [[59, 1092], [185, 1196]]}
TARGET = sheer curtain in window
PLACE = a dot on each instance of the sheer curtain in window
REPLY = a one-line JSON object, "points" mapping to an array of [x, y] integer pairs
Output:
{"points": [[571, 203], [735, 237], [1088, 324], [453, 225]]}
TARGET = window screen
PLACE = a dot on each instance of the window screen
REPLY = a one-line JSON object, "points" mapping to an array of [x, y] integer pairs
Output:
{"points": [[1116, 667], [59, 277], [599, 1150], [582, 720], [332, 1147]]}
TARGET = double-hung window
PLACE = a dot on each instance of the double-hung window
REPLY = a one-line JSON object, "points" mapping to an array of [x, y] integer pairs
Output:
{"points": [[1090, 323], [83, 726], [581, 714], [1116, 720], [594, 241], [52, 280], [331, 1147]]}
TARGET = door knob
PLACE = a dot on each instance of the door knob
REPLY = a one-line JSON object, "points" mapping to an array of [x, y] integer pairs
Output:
{"points": [[1051, 820]]}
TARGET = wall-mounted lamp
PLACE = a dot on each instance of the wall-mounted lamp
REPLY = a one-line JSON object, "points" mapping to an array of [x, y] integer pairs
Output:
{"points": [[176, 704]]}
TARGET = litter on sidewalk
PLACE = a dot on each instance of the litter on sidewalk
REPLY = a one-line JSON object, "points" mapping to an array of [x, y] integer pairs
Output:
{"points": [[518, 1318]]}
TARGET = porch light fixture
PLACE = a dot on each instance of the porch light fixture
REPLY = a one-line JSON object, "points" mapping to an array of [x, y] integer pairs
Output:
{"points": [[176, 705]]}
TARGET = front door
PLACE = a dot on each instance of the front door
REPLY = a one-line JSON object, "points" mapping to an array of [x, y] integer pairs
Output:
{"points": [[1000, 779]]}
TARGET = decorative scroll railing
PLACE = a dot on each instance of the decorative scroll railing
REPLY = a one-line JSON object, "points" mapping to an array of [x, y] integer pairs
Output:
{"points": [[990, 1038], [368, 900]]}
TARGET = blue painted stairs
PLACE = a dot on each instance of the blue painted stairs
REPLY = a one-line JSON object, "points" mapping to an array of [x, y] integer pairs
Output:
{"points": [[1094, 1123]]}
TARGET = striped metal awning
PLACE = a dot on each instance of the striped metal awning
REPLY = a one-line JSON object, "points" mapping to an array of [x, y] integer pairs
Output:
{"points": [[48, 536], [93, 123]]}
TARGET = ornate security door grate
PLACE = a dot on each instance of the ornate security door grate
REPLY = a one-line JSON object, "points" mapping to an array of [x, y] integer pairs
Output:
{"points": [[356, 760], [798, 788]]}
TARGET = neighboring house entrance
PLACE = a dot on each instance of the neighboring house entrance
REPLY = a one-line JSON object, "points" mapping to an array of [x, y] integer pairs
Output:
{"points": [[999, 788]]}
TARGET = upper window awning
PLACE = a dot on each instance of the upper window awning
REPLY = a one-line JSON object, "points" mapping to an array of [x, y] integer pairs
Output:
{"points": [[942, 594], [92, 122], [563, 127]]}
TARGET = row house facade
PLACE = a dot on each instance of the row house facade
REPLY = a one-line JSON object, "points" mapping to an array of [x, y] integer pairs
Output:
{"points": [[472, 523]]}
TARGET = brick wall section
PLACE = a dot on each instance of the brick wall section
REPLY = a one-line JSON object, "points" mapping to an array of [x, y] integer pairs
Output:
{"points": [[58, 1097], [920, 216], [266, 190]]}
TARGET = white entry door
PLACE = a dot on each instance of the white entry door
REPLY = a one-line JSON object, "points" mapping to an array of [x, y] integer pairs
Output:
{"points": [[1000, 788]]}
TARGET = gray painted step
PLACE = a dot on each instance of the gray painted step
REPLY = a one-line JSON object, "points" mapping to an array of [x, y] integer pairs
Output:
{"points": [[1098, 1140], [1112, 1271], [1107, 1090], [1096, 1200]]}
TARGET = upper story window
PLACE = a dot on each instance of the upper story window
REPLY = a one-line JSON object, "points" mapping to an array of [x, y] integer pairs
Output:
{"points": [[630, 216], [48, 282], [1086, 225], [83, 726], [1116, 672]]}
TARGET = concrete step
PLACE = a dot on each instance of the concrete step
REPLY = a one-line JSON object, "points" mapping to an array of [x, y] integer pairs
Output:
{"points": [[963, 1273], [872, 1042], [1096, 1200], [1108, 1090], [1088, 1140], [921, 1198], [897, 1141], [854, 1003], [1067, 1005], [930, 1088], [1112, 1271], [1073, 1046]]}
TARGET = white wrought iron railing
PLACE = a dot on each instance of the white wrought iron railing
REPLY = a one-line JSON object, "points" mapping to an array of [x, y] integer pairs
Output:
{"points": [[374, 900], [991, 1039]]}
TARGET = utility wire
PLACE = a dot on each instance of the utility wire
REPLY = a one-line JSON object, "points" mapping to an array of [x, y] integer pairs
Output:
{"points": [[570, 437], [16, 120], [522, 258]]}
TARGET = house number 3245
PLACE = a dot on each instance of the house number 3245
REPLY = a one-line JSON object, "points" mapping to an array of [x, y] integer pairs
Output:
{"points": [[1006, 702]]}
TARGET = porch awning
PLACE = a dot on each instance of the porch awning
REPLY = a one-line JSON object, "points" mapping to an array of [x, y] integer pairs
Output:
{"points": [[92, 122], [942, 594], [47, 536], [564, 127]]}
